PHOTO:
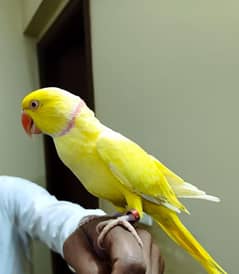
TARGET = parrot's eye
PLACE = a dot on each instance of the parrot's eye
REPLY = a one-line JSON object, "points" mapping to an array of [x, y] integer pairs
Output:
{"points": [[34, 104]]}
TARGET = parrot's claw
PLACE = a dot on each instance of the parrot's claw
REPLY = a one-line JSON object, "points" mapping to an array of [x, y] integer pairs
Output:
{"points": [[104, 227]]}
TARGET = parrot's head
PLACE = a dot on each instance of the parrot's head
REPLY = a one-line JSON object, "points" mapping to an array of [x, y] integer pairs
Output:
{"points": [[51, 111]]}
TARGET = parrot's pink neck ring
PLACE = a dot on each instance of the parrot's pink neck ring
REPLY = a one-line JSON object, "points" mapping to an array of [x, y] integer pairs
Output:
{"points": [[71, 121]]}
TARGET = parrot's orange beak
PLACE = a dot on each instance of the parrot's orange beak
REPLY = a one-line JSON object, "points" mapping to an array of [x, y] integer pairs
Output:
{"points": [[28, 125]]}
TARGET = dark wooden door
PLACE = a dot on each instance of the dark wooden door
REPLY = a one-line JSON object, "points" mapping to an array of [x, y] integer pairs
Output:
{"points": [[64, 56]]}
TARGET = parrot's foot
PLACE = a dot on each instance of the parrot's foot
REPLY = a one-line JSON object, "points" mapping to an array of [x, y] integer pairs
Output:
{"points": [[125, 220]]}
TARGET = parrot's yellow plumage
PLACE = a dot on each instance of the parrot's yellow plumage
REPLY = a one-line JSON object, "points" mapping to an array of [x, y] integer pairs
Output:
{"points": [[113, 167]]}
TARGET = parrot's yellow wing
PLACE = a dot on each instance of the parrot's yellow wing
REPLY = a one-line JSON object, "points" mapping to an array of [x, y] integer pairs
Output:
{"points": [[169, 174], [181, 188], [136, 169]]}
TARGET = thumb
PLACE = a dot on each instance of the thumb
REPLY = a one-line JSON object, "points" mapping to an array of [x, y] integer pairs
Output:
{"points": [[79, 254]]}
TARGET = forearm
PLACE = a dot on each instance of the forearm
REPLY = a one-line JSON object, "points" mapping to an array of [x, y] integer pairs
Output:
{"points": [[39, 214]]}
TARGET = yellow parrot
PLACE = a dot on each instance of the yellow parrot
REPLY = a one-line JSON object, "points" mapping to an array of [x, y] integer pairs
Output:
{"points": [[114, 168]]}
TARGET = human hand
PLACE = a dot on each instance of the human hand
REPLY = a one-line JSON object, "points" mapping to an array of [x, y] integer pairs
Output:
{"points": [[121, 254]]}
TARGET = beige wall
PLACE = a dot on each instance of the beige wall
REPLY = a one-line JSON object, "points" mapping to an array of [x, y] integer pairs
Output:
{"points": [[29, 9], [19, 155], [38, 15], [166, 75]]}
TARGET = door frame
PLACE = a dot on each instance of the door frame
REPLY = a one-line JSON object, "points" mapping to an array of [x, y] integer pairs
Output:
{"points": [[54, 32]]}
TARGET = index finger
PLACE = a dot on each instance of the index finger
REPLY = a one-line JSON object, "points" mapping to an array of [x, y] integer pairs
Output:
{"points": [[125, 254]]}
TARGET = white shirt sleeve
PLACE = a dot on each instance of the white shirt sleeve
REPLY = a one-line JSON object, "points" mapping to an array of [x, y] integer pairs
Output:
{"points": [[37, 213]]}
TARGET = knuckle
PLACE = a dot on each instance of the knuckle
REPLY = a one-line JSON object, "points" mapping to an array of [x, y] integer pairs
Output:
{"points": [[144, 234], [131, 265]]}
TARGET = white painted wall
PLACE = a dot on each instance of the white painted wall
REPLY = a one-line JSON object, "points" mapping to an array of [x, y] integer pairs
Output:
{"points": [[166, 75]]}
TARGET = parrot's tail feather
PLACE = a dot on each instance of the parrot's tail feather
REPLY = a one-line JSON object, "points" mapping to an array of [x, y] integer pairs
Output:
{"points": [[203, 197], [171, 224], [158, 202], [171, 207], [187, 190]]}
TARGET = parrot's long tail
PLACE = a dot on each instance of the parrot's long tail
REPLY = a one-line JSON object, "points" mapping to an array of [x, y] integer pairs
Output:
{"points": [[171, 224]]}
